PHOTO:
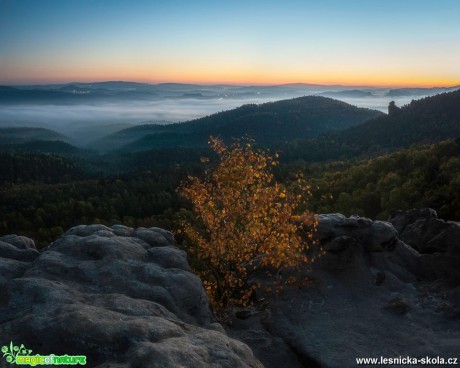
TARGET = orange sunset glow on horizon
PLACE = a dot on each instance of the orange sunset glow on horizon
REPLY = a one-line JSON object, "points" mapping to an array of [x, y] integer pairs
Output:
{"points": [[242, 44]]}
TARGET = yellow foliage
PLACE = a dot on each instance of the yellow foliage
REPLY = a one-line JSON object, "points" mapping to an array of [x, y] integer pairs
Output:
{"points": [[247, 221]]}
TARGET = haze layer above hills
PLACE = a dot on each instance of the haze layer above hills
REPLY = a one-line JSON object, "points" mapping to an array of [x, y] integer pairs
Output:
{"points": [[88, 111], [268, 123], [307, 129]]}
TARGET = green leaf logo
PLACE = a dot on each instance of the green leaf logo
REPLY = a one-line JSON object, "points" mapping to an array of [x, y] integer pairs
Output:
{"points": [[10, 353]]}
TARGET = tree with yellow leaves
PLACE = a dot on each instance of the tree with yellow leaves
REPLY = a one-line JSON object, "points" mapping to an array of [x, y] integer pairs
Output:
{"points": [[247, 221]]}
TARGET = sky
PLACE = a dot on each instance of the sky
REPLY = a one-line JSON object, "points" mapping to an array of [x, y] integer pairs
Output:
{"points": [[350, 42]]}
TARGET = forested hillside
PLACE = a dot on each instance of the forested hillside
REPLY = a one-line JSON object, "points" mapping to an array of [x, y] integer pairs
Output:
{"points": [[420, 176], [19, 135], [268, 123], [42, 168], [43, 146], [429, 120], [45, 210]]}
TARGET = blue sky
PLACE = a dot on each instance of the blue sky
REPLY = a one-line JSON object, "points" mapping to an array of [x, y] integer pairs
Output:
{"points": [[243, 42]]}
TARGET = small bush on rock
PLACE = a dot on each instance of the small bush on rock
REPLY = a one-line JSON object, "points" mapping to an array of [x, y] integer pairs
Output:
{"points": [[245, 221]]}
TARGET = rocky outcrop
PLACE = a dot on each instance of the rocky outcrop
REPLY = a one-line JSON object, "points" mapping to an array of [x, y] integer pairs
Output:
{"points": [[126, 298], [122, 297], [364, 300], [437, 241]]}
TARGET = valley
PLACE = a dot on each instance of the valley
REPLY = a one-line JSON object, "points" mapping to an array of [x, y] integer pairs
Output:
{"points": [[359, 161]]}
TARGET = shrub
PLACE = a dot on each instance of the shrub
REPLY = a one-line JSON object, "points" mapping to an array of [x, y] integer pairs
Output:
{"points": [[246, 221]]}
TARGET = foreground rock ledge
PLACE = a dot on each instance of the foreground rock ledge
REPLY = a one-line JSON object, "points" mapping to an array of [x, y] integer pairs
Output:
{"points": [[122, 297], [126, 298], [371, 295]]}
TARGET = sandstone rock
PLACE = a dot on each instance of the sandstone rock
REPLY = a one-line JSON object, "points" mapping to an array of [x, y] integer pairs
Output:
{"points": [[398, 305], [339, 244], [364, 300], [85, 230], [126, 298], [122, 230], [379, 278], [18, 241], [348, 241], [400, 219], [152, 237], [10, 269], [374, 235], [327, 223], [16, 252], [343, 253], [10, 251], [169, 257], [439, 266], [119, 300], [438, 242], [167, 234], [431, 235], [383, 235]]}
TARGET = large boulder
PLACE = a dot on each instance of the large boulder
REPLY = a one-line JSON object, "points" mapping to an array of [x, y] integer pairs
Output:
{"points": [[122, 297], [19, 241], [16, 252], [363, 300], [437, 240], [400, 218], [355, 243]]}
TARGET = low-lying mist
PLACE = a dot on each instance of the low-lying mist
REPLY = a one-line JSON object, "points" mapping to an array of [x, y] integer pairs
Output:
{"points": [[80, 121], [88, 122]]}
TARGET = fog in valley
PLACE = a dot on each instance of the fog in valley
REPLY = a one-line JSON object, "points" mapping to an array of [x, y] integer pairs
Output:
{"points": [[83, 122], [92, 113]]}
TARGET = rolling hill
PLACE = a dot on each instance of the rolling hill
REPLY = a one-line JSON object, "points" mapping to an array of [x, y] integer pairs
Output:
{"points": [[428, 120], [268, 123], [19, 135], [37, 140], [44, 146]]}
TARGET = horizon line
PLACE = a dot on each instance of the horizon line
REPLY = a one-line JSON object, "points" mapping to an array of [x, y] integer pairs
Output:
{"points": [[242, 84]]}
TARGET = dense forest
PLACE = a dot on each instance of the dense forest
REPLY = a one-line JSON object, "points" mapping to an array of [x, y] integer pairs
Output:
{"points": [[55, 195], [47, 186], [43, 168], [421, 176], [43, 211]]}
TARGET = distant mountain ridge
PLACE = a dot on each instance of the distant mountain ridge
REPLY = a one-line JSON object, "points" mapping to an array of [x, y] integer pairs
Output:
{"points": [[304, 128], [348, 93], [420, 91], [78, 92]]}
